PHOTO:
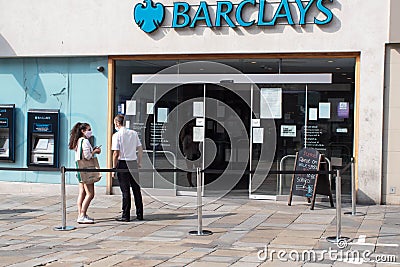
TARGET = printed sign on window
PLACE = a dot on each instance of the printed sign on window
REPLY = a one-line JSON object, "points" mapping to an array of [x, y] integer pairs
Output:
{"points": [[343, 110], [288, 130]]}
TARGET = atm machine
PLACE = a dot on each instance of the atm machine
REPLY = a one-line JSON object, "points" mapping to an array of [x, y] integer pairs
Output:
{"points": [[43, 137], [7, 133]]}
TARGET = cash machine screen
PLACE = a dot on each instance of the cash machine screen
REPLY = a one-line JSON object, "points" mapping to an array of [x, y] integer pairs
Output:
{"points": [[44, 145]]}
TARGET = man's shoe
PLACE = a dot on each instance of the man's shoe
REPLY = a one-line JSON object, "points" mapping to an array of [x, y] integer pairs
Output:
{"points": [[139, 217], [122, 219]]}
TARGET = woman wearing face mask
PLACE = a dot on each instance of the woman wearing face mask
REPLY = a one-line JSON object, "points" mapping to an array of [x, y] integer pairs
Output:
{"points": [[79, 136]]}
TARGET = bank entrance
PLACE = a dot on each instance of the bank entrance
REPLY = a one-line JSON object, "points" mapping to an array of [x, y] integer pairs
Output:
{"points": [[225, 123]]}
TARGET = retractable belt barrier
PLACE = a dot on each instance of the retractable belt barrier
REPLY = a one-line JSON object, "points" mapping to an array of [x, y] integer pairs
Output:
{"points": [[198, 172]]}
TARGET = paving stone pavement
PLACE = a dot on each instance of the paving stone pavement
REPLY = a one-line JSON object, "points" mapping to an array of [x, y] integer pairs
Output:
{"points": [[245, 233]]}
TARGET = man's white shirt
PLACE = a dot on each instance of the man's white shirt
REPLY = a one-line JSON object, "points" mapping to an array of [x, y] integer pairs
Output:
{"points": [[126, 141]]}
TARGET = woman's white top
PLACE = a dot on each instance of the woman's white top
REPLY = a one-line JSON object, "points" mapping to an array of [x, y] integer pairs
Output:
{"points": [[86, 147]]}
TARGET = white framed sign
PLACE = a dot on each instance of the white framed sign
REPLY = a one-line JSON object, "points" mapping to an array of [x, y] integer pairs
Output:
{"points": [[271, 103], [288, 130]]}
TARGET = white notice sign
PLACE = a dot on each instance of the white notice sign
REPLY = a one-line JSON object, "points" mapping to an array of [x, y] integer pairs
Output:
{"points": [[162, 115], [150, 108], [199, 121], [324, 110], [198, 109], [198, 134], [258, 135], [130, 107], [313, 114], [271, 103], [288, 130], [256, 122]]}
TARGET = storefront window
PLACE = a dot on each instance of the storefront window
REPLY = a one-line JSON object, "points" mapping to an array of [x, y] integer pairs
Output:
{"points": [[318, 116]]}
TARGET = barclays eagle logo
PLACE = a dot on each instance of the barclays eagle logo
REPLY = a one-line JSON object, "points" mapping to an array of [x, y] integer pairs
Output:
{"points": [[150, 16]]}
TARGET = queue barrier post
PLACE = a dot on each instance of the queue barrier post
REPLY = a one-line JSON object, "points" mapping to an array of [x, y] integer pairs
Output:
{"points": [[338, 238], [200, 231], [63, 226], [353, 190], [353, 211]]}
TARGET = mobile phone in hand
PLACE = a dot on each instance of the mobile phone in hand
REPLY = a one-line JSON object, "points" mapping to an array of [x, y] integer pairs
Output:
{"points": [[96, 147]]}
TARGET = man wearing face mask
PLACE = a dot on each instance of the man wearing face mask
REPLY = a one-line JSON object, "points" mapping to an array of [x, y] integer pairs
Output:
{"points": [[79, 142], [127, 154]]}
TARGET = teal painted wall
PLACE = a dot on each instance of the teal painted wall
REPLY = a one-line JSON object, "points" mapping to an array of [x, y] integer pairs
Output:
{"points": [[72, 85]]}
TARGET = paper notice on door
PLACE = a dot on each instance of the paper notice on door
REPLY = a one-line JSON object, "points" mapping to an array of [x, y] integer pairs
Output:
{"points": [[288, 130], [256, 122], [130, 107], [271, 103], [198, 134], [198, 109], [258, 135], [313, 114], [127, 124], [324, 110], [162, 115], [150, 108], [199, 121], [343, 110]]}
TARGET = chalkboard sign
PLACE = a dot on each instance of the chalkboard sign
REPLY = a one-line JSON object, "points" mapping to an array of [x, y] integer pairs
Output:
{"points": [[308, 185]]}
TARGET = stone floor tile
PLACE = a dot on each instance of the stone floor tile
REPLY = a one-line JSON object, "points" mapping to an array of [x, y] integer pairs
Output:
{"points": [[207, 264], [245, 264], [139, 262], [280, 264]]}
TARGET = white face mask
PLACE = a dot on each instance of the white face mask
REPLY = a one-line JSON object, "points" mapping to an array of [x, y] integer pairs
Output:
{"points": [[88, 134], [116, 127]]}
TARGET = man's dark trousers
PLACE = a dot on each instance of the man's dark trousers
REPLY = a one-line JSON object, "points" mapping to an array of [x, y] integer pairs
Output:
{"points": [[126, 180]]}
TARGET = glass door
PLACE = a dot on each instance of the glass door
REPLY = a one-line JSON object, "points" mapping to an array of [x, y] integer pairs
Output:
{"points": [[329, 125], [190, 133], [227, 128], [278, 118]]}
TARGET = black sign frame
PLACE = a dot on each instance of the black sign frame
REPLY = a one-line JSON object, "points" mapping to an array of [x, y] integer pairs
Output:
{"points": [[309, 159]]}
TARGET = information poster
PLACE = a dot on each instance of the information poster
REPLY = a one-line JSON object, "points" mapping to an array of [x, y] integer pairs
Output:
{"points": [[198, 109], [258, 135], [343, 110], [256, 122], [130, 107], [288, 130], [199, 121], [198, 134], [313, 114], [271, 103], [162, 115], [324, 110], [150, 108]]}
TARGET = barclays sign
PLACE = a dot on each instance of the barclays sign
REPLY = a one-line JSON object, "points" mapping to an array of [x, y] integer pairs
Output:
{"points": [[150, 16]]}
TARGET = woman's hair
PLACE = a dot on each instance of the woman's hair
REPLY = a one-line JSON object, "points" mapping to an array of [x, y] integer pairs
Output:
{"points": [[76, 133]]}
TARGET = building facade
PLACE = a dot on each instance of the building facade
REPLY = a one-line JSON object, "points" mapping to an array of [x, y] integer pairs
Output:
{"points": [[91, 60]]}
